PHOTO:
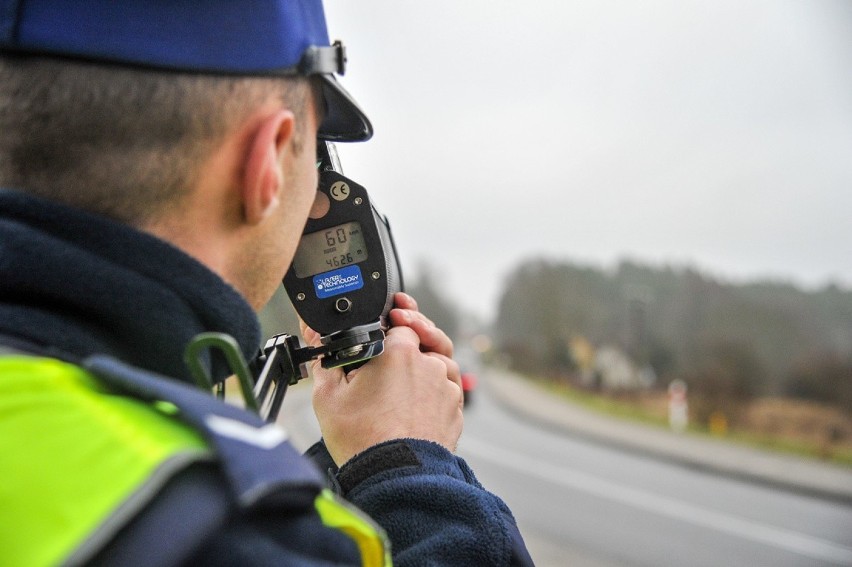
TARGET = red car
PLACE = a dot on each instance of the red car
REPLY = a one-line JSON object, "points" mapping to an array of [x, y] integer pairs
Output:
{"points": [[468, 380]]}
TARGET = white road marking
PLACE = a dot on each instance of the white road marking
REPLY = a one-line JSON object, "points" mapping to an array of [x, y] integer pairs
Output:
{"points": [[796, 542]]}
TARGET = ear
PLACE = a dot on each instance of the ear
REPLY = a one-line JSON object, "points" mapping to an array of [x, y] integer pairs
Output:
{"points": [[263, 177]]}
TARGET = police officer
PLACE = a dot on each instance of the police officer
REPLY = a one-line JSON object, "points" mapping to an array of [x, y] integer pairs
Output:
{"points": [[157, 165]]}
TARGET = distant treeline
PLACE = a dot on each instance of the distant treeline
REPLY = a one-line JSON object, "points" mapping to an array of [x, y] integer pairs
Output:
{"points": [[724, 339], [727, 341]]}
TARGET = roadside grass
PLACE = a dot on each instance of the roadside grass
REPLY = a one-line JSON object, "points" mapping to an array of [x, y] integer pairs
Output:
{"points": [[603, 404], [634, 409], [840, 455]]}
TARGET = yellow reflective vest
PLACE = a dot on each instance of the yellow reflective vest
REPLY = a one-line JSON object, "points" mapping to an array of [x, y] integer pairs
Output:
{"points": [[77, 462]]}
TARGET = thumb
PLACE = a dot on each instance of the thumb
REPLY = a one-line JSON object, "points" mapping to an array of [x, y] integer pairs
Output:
{"points": [[324, 378], [312, 338]]}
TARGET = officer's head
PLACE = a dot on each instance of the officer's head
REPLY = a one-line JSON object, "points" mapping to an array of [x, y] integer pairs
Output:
{"points": [[121, 107]]}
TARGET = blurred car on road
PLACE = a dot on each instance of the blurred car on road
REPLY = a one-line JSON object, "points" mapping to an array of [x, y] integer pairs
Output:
{"points": [[468, 386]]}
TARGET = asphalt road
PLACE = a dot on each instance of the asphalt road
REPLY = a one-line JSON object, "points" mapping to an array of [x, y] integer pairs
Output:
{"points": [[579, 503]]}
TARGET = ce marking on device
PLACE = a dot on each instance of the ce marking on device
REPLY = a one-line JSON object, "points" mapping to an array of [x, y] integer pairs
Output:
{"points": [[339, 191]]}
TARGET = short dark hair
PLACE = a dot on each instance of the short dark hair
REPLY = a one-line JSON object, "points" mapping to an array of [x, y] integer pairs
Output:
{"points": [[120, 141]]}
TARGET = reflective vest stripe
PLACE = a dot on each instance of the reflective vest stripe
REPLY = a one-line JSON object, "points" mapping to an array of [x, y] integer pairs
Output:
{"points": [[371, 539], [77, 462], [71, 455]]}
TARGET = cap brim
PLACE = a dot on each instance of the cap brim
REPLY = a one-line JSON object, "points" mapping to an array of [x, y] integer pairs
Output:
{"points": [[344, 120]]}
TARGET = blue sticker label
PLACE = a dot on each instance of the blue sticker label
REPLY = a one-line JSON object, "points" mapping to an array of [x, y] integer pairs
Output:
{"points": [[333, 283]]}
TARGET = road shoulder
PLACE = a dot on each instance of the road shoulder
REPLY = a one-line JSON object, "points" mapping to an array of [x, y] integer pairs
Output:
{"points": [[522, 397]]}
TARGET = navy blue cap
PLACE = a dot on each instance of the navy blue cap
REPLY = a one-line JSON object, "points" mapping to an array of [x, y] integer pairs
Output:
{"points": [[232, 37]]}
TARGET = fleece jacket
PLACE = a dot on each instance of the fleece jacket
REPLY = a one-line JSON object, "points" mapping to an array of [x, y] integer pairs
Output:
{"points": [[74, 284]]}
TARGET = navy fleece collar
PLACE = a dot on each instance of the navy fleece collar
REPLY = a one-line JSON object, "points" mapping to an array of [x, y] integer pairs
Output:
{"points": [[85, 284]]}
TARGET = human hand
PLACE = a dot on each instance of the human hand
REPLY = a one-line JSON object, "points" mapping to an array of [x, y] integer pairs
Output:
{"points": [[406, 313], [413, 390]]}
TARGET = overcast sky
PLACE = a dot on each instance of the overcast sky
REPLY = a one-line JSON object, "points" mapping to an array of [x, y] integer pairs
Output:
{"points": [[715, 134]]}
